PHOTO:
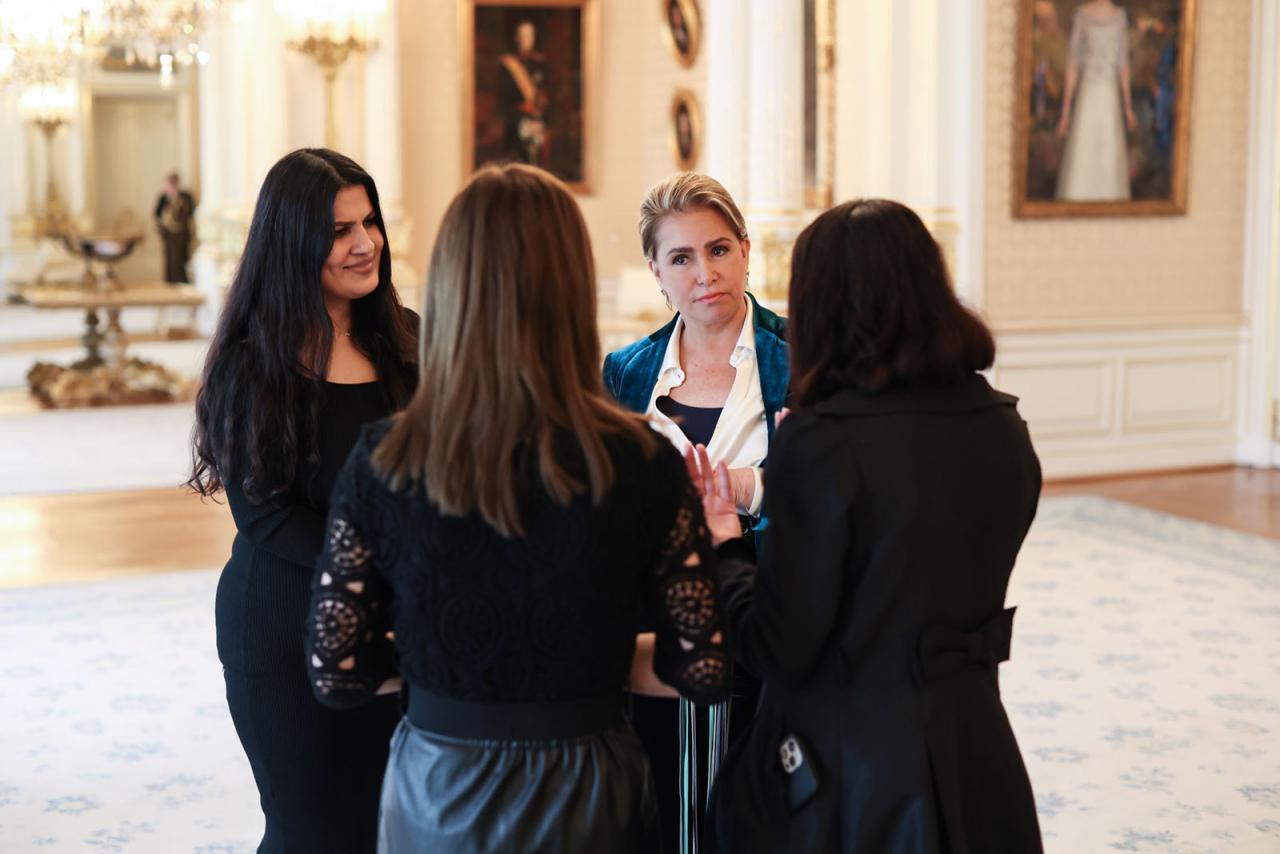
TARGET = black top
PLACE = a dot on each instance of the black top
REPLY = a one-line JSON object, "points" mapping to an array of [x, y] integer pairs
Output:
{"points": [[277, 541], [292, 526], [547, 617], [697, 423], [876, 624], [319, 772]]}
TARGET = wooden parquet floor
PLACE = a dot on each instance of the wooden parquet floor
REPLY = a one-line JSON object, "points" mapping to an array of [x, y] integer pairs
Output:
{"points": [[69, 538], [1241, 498], [63, 538]]}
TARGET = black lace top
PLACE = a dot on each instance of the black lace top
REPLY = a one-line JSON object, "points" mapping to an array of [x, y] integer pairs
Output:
{"points": [[547, 617]]}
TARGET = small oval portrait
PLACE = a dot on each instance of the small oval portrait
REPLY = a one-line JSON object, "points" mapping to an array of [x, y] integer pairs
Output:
{"points": [[682, 26], [686, 129]]}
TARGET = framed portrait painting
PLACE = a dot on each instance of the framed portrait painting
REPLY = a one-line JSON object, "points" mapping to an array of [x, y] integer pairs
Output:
{"points": [[529, 70], [1102, 113], [682, 29], [686, 130]]}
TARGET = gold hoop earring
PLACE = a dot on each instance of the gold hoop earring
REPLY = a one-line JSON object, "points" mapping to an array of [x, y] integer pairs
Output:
{"points": [[670, 307]]}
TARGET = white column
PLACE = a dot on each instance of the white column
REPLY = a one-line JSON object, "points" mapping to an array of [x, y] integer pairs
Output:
{"points": [[774, 203], [211, 80], [864, 99], [13, 191], [909, 117], [962, 132], [775, 118], [382, 127], [382, 156], [728, 64], [216, 132], [268, 88]]}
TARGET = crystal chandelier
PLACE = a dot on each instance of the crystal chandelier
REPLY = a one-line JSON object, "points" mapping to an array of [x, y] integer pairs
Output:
{"points": [[161, 34], [40, 43]]}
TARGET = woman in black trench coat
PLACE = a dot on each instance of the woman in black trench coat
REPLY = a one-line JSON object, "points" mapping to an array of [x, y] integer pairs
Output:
{"points": [[899, 493]]}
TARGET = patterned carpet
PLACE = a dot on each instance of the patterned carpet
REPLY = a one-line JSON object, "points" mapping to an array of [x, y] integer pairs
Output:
{"points": [[1144, 689]]}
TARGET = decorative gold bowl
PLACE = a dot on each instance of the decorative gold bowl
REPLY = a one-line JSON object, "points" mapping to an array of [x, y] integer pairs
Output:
{"points": [[105, 248]]}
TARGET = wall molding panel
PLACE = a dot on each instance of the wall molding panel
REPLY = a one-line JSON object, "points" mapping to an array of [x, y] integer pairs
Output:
{"points": [[1126, 400]]}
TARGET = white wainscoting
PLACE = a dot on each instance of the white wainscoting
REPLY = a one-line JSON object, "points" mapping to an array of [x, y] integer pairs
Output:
{"points": [[1126, 400]]}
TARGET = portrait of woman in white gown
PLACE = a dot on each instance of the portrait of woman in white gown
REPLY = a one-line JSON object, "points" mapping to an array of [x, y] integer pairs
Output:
{"points": [[1097, 111], [1102, 120]]}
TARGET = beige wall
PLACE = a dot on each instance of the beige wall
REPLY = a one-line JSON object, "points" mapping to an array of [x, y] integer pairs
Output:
{"points": [[1104, 271], [629, 147]]}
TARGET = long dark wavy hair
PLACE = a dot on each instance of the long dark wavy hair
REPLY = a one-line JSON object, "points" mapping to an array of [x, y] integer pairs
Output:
{"points": [[871, 306], [257, 405]]}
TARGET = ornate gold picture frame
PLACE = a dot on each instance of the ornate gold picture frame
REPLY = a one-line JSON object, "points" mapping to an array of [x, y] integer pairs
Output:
{"points": [[529, 71], [682, 29], [686, 129], [1102, 109]]}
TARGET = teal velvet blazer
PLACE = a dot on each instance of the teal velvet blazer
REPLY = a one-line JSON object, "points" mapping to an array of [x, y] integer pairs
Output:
{"points": [[631, 373]]}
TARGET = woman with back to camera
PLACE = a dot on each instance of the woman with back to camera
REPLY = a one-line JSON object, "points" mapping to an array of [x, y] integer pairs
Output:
{"points": [[311, 345], [899, 493], [512, 526], [716, 375]]}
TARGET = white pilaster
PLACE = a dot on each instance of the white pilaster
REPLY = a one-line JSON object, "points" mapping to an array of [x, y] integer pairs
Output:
{"points": [[13, 195], [728, 64], [382, 125], [909, 80], [775, 116], [268, 87], [15, 165], [1259, 443], [72, 160], [773, 142]]}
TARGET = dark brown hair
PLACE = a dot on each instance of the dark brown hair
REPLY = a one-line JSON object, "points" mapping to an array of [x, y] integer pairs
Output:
{"points": [[872, 306], [510, 356]]}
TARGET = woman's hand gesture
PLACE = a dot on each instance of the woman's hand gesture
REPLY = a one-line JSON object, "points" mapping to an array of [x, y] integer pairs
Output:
{"points": [[714, 485]]}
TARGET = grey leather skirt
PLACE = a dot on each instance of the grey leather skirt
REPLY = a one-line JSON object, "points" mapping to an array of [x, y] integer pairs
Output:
{"points": [[467, 794]]}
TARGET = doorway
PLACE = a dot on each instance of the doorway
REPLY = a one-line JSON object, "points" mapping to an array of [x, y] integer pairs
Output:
{"points": [[136, 143]]}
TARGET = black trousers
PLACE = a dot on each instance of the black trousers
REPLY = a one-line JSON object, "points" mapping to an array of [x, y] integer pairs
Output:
{"points": [[318, 770]]}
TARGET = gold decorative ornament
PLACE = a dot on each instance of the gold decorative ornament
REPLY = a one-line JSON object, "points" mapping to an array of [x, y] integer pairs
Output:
{"points": [[330, 34]]}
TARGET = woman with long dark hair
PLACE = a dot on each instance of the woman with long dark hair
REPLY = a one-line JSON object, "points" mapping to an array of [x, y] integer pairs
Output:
{"points": [[899, 492], [312, 344], [511, 526]]}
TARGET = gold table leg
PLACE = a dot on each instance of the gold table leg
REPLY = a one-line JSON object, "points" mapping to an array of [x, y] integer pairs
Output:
{"points": [[92, 340], [115, 340]]}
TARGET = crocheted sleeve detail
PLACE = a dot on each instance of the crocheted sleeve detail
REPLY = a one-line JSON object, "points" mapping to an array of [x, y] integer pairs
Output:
{"points": [[348, 651], [692, 653]]}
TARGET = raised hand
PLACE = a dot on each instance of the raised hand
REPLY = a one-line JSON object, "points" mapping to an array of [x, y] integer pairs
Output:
{"points": [[714, 485]]}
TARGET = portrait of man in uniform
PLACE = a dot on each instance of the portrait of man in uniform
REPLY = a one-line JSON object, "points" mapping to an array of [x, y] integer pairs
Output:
{"points": [[529, 84]]}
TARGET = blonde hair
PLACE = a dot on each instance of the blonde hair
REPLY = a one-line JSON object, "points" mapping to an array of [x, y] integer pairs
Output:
{"points": [[510, 356], [685, 191]]}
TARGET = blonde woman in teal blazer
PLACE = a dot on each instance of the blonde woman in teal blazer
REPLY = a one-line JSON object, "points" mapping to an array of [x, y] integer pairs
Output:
{"points": [[715, 375]]}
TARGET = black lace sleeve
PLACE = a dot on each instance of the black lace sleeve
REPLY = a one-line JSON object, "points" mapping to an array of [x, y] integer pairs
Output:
{"points": [[348, 652], [691, 654]]}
